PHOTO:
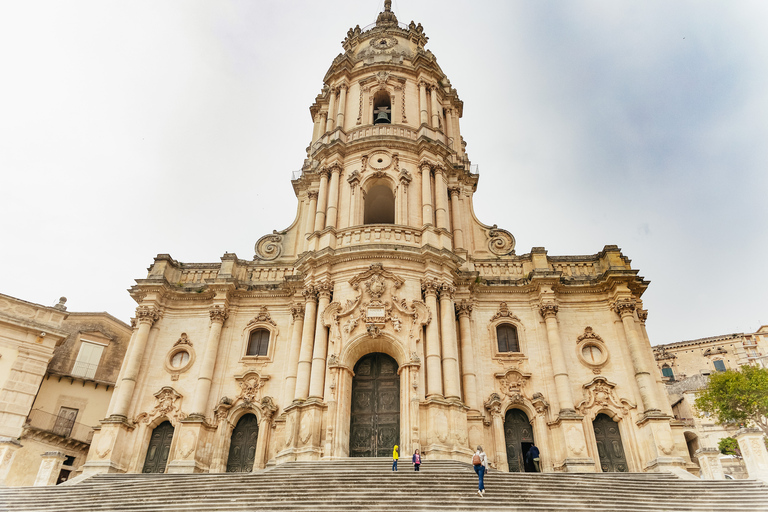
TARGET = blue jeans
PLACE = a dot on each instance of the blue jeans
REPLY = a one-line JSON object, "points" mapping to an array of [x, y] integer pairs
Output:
{"points": [[394, 465], [480, 470]]}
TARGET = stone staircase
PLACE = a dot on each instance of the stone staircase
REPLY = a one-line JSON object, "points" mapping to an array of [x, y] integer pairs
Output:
{"points": [[369, 484]]}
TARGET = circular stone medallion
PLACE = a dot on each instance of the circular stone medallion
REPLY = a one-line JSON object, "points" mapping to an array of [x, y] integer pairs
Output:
{"points": [[379, 161]]}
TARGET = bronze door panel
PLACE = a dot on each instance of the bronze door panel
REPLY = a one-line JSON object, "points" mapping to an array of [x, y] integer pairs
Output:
{"points": [[609, 446], [242, 447], [517, 430], [375, 411], [159, 448]]}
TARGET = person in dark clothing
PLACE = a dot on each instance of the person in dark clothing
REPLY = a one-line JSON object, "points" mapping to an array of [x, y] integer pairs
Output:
{"points": [[533, 456]]}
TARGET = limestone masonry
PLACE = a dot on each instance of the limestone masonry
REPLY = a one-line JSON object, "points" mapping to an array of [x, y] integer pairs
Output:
{"points": [[387, 313]]}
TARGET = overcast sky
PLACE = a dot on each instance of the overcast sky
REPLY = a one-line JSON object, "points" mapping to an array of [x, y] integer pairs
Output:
{"points": [[133, 128]]}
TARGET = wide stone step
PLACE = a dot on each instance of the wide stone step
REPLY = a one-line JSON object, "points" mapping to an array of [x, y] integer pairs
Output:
{"points": [[369, 484]]}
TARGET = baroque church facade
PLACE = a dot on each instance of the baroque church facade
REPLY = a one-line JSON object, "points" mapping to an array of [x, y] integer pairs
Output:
{"points": [[387, 313]]}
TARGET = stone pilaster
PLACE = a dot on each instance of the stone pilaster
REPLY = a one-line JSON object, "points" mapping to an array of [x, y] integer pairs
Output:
{"points": [[320, 349], [322, 201], [423, 117], [458, 234], [441, 199], [468, 376], [451, 374], [754, 453], [49, 469], [333, 197], [304, 366], [426, 193], [297, 311], [435, 111], [218, 314], [8, 449], [709, 463], [434, 372], [548, 309], [342, 106]]}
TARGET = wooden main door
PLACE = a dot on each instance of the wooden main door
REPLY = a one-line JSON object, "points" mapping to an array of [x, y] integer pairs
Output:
{"points": [[518, 435], [159, 448], [609, 445], [242, 445], [375, 416]]}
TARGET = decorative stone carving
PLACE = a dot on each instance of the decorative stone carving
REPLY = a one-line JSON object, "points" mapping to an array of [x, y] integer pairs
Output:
{"points": [[642, 314], [373, 330], [504, 312], [464, 308], [600, 393], [624, 306], [447, 291], [269, 247], [268, 408], [548, 309], [218, 313], [309, 293], [540, 404], [263, 317], [297, 311], [430, 287], [148, 314], [222, 409], [660, 354], [250, 385], [512, 382], [183, 340], [500, 241], [312, 194], [165, 405], [591, 350], [493, 404], [419, 314]]}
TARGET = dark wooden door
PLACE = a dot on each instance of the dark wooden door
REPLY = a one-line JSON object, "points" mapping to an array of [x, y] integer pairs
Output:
{"points": [[375, 418], [609, 445], [159, 448], [242, 445], [517, 430]]}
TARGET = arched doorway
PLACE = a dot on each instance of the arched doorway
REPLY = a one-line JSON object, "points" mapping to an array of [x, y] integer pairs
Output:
{"points": [[375, 415], [379, 205], [159, 448], [518, 435], [242, 445], [609, 445]]}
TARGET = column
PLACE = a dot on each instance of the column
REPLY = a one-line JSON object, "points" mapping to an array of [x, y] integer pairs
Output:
{"points": [[625, 308], [322, 201], [468, 376], [402, 199], [709, 463], [449, 127], [316, 128], [754, 453], [331, 115], [218, 314], [146, 316], [297, 310], [433, 365], [333, 197], [317, 380], [423, 119], [304, 367], [323, 124], [342, 106], [49, 470], [548, 310], [441, 198], [265, 423], [435, 115], [458, 234], [500, 449], [426, 194], [451, 375], [311, 212]]}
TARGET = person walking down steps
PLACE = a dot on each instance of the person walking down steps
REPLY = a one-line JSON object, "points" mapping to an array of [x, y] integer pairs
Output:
{"points": [[480, 463], [533, 457], [395, 456], [416, 460]]}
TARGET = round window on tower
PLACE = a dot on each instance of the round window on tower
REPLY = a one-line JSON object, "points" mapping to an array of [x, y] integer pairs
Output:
{"points": [[180, 358]]}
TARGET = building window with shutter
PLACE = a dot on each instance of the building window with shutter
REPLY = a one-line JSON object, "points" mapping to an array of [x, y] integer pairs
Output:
{"points": [[258, 343], [87, 360], [666, 371], [719, 365], [506, 337], [65, 421]]}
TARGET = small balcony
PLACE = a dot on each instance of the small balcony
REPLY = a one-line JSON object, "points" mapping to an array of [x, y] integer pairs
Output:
{"points": [[59, 426]]}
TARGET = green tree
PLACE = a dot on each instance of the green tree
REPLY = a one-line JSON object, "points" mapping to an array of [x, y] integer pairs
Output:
{"points": [[729, 446], [737, 396]]}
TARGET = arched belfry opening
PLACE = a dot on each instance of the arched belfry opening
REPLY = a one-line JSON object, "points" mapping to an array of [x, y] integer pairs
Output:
{"points": [[379, 205], [382, 108]]}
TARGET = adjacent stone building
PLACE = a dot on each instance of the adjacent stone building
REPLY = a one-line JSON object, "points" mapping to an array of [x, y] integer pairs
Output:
{"points": [[57, 375], [387, 313]]}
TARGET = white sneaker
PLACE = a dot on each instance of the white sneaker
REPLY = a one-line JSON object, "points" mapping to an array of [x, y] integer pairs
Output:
{"points": [[480, 494]]}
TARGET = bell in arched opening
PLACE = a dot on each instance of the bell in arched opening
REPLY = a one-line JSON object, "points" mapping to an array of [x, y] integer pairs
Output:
{"points": [[382, 108]]}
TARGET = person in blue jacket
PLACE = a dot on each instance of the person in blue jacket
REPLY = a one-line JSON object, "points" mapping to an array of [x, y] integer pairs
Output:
{"points": [[533, 456]]}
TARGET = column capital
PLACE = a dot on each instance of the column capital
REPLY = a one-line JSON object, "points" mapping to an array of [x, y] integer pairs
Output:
{"points": [[343, 86], [405, 177], [464, 308], [447, 290], [439, 169], [334, 167], [454, 191], [312, 194], [324, 289], [423, 83], [425, 165], [310, 294], [324, 172], [297, 311], [218, 313], [624, 306], [430, 287], [548, 309], [642, 314], [148, 314], [493, 404]]}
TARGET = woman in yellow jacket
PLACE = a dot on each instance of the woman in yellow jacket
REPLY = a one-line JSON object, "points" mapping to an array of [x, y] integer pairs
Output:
{"points": [[395, 456]]}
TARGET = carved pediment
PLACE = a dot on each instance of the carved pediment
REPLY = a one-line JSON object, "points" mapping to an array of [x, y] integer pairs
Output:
{"points": [[166, 404], [263, 317], [504, 312], [250, 387], [512, 382], [599, 393]]}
